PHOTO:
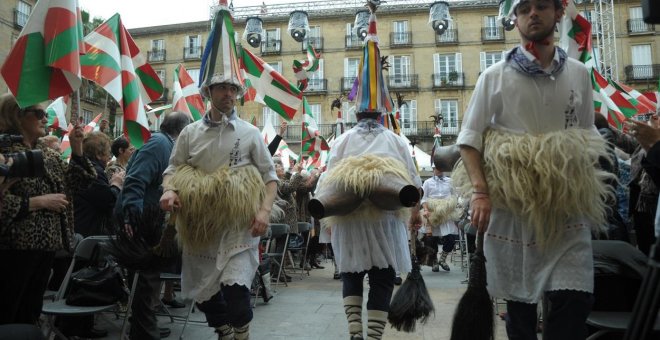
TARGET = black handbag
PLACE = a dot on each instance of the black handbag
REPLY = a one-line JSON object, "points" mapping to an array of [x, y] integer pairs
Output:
{"points": [[93, 286]]}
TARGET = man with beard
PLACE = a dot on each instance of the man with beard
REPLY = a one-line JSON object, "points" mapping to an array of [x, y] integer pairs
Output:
{"points": [[536, 204]]}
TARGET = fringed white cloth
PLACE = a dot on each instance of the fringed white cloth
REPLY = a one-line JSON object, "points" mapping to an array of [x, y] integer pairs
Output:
{"points": [[443, 210]]}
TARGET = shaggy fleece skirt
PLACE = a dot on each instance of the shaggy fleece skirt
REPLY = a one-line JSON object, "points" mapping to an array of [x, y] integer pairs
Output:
{"points": [[365, 243]]}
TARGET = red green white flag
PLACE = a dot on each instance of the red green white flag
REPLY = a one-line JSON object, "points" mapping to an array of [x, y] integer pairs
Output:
{"points": [[575, 37], [641, 103], [311, 140], [186, 97], [114, 61], [616, 110], [44, 62], [65, 146], [93, 124], [57, 115], [269, 87]]}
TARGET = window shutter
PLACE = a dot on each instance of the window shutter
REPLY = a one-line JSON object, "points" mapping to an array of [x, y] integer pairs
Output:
{"points": [[459, 62], [482, 61]]}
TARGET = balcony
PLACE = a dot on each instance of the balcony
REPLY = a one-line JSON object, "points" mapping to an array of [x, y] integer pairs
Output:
{"points": [[192, 53], [638, 26], [642, 73], [271, 47], [316, 86], [91, 95], [492, 34], [155, 56], [352, 42], [347, 83], [316, 42], [448, 80], [20, 19], [400, 39], [449, 37], [403, 82]]}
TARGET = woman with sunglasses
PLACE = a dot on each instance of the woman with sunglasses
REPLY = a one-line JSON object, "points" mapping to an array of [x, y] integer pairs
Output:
{"points": [[37, 215]]}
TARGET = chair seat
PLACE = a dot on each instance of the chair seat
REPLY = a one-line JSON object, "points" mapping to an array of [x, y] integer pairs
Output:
{"points": [[61, 308], [614, 320]]}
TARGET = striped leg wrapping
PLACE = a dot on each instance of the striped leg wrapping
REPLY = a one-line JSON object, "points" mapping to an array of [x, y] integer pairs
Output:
{"points": [[376, 324], [353, 309], [225, 332], [242, 333]]}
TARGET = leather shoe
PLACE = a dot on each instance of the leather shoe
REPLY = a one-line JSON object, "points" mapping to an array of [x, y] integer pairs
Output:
{"points": [[317, 266], [173, 303], [164, 332], [398, 280]]}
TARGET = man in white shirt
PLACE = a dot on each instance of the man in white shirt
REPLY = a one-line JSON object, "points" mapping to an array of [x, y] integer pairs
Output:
{"points": [[438, 194], [533, 202], [225, 158]]}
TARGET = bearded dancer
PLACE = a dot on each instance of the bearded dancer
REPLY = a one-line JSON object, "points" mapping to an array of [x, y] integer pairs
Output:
{"points": [[221, 184], [530, 148]]}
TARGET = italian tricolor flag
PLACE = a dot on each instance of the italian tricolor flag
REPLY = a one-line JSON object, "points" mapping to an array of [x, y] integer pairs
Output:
{"points": [[44, 63], [186, 96], [268, 87], [115, 63]]}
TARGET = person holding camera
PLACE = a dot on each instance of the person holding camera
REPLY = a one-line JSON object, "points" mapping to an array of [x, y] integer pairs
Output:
{"points": [[37, 217]]}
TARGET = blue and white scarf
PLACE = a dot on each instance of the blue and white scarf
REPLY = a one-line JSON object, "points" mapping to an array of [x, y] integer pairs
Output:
{"points": [[521, 63]]}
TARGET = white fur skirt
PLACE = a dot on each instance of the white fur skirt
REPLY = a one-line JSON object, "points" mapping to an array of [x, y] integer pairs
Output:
{"points": [[362, 244]]}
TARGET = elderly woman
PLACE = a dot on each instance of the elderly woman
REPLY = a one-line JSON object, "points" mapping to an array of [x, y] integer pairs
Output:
{"points": [[37, 217], [286, 190], [93, 206]]}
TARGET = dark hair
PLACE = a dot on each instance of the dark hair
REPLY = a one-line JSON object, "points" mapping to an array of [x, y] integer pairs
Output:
{"points": [[119, 143], [174, 122], [600, 121], [558, 5], [367, 114], [96, 143]]}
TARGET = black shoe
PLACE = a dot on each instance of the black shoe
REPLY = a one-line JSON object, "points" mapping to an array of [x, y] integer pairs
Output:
{"points": [[317, 266], [398, 280], [173, 303], [164, 332], [336, 276], [89, 333]]}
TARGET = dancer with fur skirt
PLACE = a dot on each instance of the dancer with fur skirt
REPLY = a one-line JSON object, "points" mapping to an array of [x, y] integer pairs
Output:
{"points": [[370, 240], [531, 154], [221, 183]]}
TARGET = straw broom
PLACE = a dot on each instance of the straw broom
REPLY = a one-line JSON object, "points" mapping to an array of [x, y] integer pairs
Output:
{"points": [[473, 319], [412, 301]]}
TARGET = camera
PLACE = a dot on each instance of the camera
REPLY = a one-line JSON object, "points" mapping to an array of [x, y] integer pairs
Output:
{"points": [[25, 164]]}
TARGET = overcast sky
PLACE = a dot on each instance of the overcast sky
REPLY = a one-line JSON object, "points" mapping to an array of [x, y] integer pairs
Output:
{"points": [[142, 13]]}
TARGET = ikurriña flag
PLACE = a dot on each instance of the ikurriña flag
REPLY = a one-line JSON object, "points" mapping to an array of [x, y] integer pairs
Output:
{"points": [[44, 62], [114, 61]]}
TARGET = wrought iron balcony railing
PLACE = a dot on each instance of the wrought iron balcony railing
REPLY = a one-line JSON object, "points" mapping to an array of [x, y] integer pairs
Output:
{"points": [[316, 86], [447, 38], [271, 47], [642, 73], [317, 43], [494, 33], [637, 26], [347, 83], [448, 80], [352, 42], [403, 82], [20, 18], [401, 39], [156, 55], [191, 53]]}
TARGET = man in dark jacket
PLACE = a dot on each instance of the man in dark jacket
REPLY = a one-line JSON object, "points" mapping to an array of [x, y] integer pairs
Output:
{"points": [[142, 188]]}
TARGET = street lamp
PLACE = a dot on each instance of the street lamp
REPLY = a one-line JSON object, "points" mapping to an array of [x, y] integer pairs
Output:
{"points": [[298, 25], [253, 30], [505, 9], [439, 17], [361, 25]]}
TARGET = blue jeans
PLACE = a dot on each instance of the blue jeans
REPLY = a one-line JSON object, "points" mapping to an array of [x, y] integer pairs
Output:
{"points": [[381, 285], [216, 308], [566, 320]]}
